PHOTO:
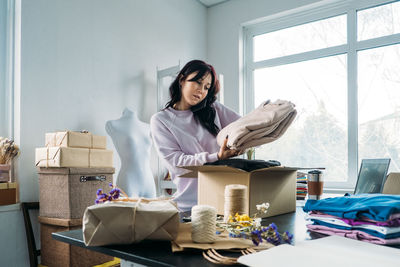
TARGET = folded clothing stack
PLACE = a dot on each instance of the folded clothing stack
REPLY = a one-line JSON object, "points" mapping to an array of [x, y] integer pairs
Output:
{"points": [[373, 218], [301, 186], [265, 124]]}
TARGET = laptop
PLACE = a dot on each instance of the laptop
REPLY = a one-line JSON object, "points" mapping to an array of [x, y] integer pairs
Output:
{"points": [[372, 176]]}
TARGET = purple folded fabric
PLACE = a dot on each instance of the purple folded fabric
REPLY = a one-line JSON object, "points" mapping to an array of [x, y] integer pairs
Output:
{"points": [[354, 234], [394, 220]]}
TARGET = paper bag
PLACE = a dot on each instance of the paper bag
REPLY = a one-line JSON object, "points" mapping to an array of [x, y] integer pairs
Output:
{"points": [[126, 222]]}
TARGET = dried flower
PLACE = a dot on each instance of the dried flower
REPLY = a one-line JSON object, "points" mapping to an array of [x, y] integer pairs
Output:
{"points": [[8, 150], [263, 208], [242, 226], [114, 194]]}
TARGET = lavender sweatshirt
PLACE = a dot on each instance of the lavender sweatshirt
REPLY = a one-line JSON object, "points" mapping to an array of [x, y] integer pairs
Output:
{"points": [[182, 141]]}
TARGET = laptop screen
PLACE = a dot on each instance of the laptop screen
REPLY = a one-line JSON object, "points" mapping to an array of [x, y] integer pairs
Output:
{"points": [[372, 176]]}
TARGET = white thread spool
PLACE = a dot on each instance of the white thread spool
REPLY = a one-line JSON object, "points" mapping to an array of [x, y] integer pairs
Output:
{"points": [[203, 224], [235, 200]]}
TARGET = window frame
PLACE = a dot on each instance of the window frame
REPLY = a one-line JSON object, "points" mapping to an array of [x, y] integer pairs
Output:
{"points": [[10, 108], [303, 15]]}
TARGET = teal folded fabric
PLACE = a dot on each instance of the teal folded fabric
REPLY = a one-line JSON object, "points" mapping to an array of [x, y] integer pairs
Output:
{"points": [[377, 207]]}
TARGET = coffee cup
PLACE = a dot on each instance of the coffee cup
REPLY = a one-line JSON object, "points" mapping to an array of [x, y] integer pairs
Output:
{"points": [[315, 184]]}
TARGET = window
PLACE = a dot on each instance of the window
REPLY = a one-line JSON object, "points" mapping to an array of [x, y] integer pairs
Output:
{"points": [[339, 64], [10, 18]]}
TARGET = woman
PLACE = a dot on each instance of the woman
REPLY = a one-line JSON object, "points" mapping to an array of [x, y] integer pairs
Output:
{"points": [[184, 132]]}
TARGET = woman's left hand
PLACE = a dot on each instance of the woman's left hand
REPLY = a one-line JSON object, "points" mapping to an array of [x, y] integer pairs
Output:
{"points": [[225, 152]]}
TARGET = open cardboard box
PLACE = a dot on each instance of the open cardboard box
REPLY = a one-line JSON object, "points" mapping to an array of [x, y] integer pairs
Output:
{"points": [[275, 185]]}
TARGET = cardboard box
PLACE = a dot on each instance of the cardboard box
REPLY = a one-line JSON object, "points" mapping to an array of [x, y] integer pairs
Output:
{"points": [[73, 157], [75, 139], [59, 254], [63, 194], [392, 184], [275, 185], [8, 193], [5, 172]]}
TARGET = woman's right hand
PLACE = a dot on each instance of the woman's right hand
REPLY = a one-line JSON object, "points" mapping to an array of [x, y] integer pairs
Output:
{"points": [[225, 152]]}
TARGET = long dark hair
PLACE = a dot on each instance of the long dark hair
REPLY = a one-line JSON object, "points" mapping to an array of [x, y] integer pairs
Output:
{"points": [[203, 111]]}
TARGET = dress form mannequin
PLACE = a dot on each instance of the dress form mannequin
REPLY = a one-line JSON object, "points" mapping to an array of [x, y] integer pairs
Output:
{"points": [[131, 138]]}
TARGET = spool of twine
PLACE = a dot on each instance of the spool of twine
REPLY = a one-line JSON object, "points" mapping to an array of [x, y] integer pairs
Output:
{"points": [[203, 224], [235, 200]]}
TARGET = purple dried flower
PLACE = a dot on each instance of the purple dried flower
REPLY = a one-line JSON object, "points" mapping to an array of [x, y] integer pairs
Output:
{"points": [[273, 226], [103, 197], [256, 236], [287, 237], [275, 238]]}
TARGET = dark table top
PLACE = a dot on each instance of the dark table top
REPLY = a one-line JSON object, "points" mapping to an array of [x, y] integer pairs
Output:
{"points": [[158, 253]]}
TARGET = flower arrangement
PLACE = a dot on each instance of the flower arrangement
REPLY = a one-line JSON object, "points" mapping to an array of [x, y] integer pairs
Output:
{"points": [[8, 150], [248, 227]]}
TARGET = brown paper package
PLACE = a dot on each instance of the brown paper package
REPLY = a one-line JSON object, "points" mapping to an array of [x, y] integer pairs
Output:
{"points": [[125, 222], [75, 139], [73, 157]]}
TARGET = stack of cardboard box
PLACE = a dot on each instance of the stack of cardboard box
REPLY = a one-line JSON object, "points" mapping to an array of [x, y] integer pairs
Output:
{"points": [[71, 168]]}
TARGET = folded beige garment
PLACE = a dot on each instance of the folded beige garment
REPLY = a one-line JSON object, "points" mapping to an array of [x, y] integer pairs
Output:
{"points": [[126, 222], [263, 125], [222, 241]]}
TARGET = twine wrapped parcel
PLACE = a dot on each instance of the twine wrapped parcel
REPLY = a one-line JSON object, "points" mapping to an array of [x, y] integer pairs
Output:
{"points": [[127, 222]]}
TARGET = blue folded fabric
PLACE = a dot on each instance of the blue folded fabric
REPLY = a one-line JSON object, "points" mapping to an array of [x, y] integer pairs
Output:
{"points": [[369, 231], [377, 207]]}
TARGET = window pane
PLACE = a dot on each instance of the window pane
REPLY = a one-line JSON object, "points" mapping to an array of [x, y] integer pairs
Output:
{"points": [[378, 21], [318, 136], [311, 36], [379, 104]]}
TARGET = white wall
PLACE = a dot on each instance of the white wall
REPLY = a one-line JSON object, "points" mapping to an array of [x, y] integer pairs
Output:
{"points": [[224, 27], [84, 61]]}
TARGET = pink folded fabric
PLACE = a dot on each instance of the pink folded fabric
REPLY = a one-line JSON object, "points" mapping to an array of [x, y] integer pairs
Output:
{"points": [[263, 125], [354, 234], [394, 220]]}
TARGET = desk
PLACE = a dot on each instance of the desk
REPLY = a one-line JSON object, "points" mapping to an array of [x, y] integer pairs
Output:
{"points": [[158, 253]]}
